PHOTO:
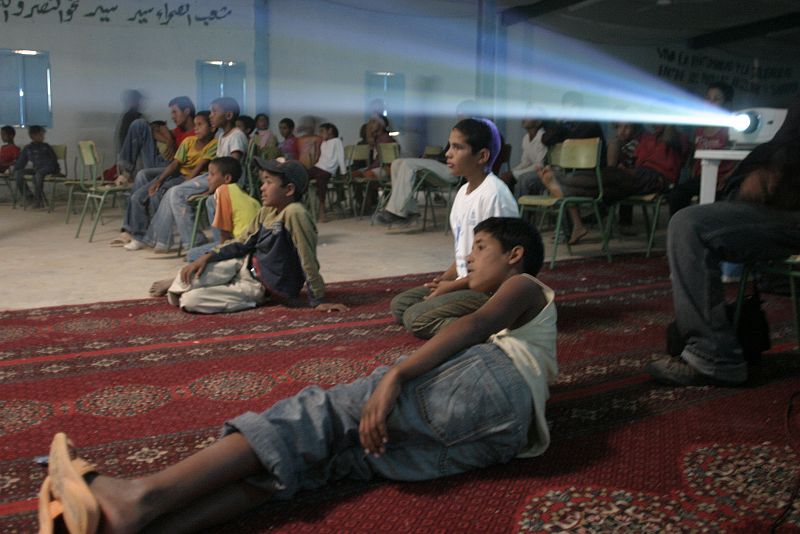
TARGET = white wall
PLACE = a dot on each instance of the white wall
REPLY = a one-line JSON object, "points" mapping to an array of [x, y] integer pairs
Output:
{"points": [[92, 62]]}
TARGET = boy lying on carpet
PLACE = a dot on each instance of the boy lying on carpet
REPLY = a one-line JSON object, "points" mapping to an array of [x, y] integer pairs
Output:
{"points": [[474, 145], [273, 259], [472, 396]]}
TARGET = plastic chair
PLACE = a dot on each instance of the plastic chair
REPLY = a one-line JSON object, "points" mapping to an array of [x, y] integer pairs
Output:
{"points": [[652, 201], [573, 155], [56, 178], [387, 153], [96, 191], [358, 153], [12, 188]]}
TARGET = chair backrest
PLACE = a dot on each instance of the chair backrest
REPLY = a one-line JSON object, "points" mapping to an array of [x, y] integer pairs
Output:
{"points": [[90, 163], [577, 154], [61, 156], [580, 153], [554, 154], [431, 151], [358, 153], [388, 152]]}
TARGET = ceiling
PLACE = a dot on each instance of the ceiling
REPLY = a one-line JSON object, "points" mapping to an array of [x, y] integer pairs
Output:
{"points": [[749, 28]]}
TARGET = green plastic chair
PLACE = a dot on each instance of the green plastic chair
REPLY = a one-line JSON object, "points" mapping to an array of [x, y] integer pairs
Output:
{"points": [[95, 190], [354, 153], [573, 155]]}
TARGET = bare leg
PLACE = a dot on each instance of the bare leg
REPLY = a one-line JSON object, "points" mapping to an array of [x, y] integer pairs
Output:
{"points": [[579, 231], [548, 178], [131, 505]]}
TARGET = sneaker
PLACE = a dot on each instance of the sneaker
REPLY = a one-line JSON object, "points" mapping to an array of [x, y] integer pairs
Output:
{"points": [[676, 372], [134, 245]]}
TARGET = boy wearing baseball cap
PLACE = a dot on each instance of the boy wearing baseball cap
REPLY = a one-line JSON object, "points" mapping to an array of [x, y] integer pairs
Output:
{"points": [[272, 260]]}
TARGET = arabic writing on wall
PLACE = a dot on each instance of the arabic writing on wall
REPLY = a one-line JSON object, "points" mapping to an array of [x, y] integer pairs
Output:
{"points": [[68, 10]]}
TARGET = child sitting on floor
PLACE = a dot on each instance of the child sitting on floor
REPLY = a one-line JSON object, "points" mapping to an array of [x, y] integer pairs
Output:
{"points": [[44, 162], [274, 258], [9, 152], [474, 145], [230, 209], [471, 397]]}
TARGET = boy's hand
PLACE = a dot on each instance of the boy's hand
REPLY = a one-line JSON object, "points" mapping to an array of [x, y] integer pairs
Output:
{"points": [[331, 306], [444, 286], [372, 429], [153, 188], [194, 269]]}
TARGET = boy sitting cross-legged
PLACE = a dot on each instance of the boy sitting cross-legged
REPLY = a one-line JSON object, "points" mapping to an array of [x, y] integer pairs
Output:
{"points": [[471, 397], [273, 259]]}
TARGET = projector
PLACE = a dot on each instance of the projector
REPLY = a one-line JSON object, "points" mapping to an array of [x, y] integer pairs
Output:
{"points": [[755, 126]]}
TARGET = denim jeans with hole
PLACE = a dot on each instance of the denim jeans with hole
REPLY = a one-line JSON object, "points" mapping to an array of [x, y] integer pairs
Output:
{"points": [[139, 142], [471, 411], [176, 210]]}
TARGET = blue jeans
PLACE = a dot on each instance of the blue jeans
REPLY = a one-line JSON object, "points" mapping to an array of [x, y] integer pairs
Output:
{"points": [[698, 239], [139, 142], [471, 411], [141, 205], [145, 176], [175, 210]]}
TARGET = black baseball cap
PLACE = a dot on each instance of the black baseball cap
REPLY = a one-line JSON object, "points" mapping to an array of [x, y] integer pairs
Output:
{"points": [[293, 170]]}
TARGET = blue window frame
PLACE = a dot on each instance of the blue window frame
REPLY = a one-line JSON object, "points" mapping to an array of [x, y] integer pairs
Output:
{"points": [[25, 97], [221, 78]]}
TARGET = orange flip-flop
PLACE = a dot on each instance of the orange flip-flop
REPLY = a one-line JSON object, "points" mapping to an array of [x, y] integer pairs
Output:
{"points": [[68, 489], [50, 509]]}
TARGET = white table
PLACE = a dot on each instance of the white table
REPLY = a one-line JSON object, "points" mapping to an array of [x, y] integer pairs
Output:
{"points": [[709, 168]]}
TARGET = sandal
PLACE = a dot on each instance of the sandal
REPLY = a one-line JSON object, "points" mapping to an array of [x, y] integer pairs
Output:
{"points": [[121, 240], [79, 508]]}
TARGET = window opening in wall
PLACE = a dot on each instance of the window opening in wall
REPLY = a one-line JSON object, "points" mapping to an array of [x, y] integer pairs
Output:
{"points": [[25, 88], [216, 78]]}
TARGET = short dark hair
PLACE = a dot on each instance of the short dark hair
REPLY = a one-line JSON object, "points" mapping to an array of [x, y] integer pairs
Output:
{"points": [[288, 122], [227, 105], [205, 114], [258, 116], [228, 165], [248, 121], [158, 123], [724, 88], [330, 126], [35, 130], [183, 103], [512, 232], [480, 134], [9, 130]]}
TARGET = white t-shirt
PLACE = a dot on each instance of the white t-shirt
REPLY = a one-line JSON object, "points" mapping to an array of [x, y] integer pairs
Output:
{"points": [[234, 141], [533, 153], [331, 156], [490, 199]]}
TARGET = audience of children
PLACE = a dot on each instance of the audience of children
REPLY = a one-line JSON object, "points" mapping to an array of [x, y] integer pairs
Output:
{"points": [[272, 261], [175, 208], [473, 146], [43, 161], [288, 146], [190, 161], [142, 138], [330, 162], [9, 152], [474, 394], [229, 209]]}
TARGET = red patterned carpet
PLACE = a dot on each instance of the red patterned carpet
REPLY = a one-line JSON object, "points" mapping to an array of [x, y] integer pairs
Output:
{"points": [[139, 385]]}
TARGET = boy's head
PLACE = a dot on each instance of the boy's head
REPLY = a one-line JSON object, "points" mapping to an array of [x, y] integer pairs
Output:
{"points": [[282, 181], [262, 121], [223, 170], [503, 246], [328, 131], [719, 94], [224, 112], [181, 109], [481, 134], [245, 123], [7, 134], [36, 133], [286, 127]]}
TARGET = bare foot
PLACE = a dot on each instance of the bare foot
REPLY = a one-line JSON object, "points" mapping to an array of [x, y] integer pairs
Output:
{"points": [[578, 233], [160, 288], [121, 504], [121, 240], [546, 175]]}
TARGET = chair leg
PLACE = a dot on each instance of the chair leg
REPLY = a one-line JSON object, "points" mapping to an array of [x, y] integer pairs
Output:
{"points": [[98, 214], [737, 312], [557, 235], [653, 225], [70, 191], [83, 215], [603, 235]]}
